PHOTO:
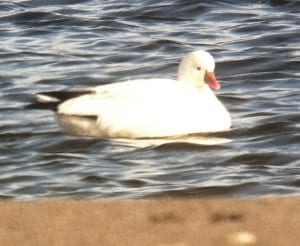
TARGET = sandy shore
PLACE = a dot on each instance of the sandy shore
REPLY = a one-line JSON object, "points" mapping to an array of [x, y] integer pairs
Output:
{"points": [[271, 221]]}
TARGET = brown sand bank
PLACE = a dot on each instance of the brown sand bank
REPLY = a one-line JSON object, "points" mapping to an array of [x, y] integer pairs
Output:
{"points": [[272, 221]]}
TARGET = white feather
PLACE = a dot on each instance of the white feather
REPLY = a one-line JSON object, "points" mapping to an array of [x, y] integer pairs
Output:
{"points": [[45, 98], [154, 107]]}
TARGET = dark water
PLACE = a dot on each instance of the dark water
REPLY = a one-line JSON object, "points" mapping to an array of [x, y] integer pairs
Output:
{"points": [[52, 45]]}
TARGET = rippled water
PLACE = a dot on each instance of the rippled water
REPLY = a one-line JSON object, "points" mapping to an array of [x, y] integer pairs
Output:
{"points": [[53, 45]]}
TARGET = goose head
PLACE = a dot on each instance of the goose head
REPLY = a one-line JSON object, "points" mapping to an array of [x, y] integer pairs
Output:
{"points": [[197, 68]]}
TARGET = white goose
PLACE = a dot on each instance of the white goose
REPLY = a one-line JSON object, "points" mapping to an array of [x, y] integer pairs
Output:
{"points": [[147, 108]]}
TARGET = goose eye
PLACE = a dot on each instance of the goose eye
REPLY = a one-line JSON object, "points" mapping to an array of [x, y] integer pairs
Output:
{"points": [[198, 68]]}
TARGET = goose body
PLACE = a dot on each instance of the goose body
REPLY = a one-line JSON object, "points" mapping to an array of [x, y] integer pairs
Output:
{"points": [[158, 107]]}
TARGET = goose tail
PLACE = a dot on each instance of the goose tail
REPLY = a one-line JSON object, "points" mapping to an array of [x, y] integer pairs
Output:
{"points": [[50, 100]]}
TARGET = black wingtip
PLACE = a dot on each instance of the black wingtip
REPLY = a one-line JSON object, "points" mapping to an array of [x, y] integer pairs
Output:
{"points": [[42, 106], [58, 97], [65, 95]]}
